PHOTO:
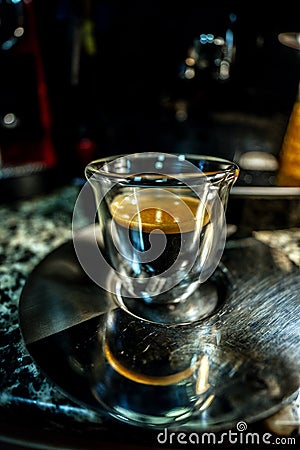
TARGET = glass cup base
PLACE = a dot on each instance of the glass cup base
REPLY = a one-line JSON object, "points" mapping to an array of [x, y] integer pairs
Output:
{"points": [[204, 299]]}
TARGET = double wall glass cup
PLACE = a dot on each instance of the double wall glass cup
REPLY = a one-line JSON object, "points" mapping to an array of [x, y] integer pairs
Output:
{"points": [[160, 229]]}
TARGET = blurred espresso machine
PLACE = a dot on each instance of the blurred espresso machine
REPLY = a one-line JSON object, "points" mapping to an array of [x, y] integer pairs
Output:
{"points": [[27, 154]]}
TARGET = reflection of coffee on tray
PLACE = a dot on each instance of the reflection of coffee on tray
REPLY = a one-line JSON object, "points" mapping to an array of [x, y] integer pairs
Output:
{"points": [[144, 217], [143, 378]]}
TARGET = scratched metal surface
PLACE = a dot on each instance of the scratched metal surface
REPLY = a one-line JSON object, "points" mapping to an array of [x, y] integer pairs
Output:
{"points": [[252, 341]]}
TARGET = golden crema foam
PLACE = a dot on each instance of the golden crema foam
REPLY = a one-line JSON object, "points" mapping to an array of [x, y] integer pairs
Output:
{"points": [[148, 211]]}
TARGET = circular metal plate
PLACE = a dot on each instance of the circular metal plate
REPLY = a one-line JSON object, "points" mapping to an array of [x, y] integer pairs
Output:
{"points": [[253, 353]]}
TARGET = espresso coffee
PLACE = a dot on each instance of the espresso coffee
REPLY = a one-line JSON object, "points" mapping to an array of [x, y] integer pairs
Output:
{"points": [[152, 227]]}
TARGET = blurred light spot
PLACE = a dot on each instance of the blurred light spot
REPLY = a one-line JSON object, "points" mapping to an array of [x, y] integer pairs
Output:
{"points": [[232, 17], [10, 120], [193, 54], [181, 111], [219, 41], [206, 38], [190, 61], [203, 63], [290, 39], [224, 70], [181, 115], [229, 37], [189, 73], [260, 41], [258, 160], [19, 32], [7, 45], [203, 38]]}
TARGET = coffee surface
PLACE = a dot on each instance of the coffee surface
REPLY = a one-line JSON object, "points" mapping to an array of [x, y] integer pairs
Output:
{"points": [[159, 210]]}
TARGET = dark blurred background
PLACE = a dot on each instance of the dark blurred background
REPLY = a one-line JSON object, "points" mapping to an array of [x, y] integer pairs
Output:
{"points": [[87, 78]]}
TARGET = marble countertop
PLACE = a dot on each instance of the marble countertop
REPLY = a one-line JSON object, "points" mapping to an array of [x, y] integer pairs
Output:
{"points": [[30, 230]]}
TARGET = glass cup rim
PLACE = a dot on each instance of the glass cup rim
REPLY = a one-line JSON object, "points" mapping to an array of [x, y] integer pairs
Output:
{"points": [[226, 167]]}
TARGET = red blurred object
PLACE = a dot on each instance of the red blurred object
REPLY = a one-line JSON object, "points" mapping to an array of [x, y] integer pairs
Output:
{"points": [[86, 149], [26, 146]]}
